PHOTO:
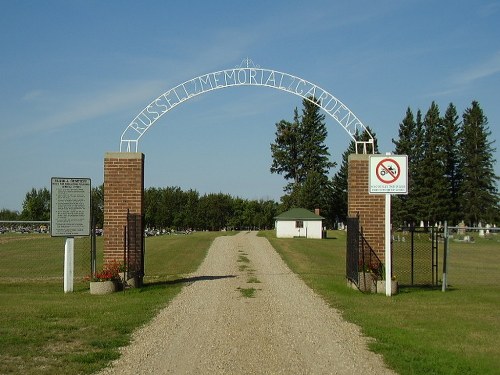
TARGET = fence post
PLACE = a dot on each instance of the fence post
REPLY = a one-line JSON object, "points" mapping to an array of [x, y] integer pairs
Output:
{"points": [[93, 248], [69, 264], [445, 258]]}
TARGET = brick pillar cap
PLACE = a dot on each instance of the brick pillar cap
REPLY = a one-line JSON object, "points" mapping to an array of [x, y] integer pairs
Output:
{"points": [[124, 155]]}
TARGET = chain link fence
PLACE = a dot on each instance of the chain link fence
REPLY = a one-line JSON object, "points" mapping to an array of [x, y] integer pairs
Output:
{"points": [[28, 253], [415, 256], [447, 257]]}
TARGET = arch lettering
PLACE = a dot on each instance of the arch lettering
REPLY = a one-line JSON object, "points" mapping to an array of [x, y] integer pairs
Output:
{"points": [[247, 74]]}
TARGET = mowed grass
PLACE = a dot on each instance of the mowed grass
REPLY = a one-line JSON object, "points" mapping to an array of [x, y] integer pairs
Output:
{"points": [[44, 331], [418, 331], [40, 256]]}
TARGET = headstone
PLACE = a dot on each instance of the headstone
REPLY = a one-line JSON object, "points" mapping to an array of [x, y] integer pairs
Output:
{"points": [[461, 228]]}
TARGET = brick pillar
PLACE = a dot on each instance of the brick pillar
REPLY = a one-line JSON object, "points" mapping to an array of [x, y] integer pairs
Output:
{"points": [[371, 207], [123, 191]]}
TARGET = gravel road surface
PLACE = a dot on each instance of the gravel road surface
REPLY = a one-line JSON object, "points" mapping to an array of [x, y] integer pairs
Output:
{"points": [[211, 327]]}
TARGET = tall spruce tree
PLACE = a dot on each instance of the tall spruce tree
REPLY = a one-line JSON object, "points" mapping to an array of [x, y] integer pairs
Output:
{"points": [[315, 155], [432, 188], [300, 154], [478, 190], [339, 186], [451, 151], [287, 150], [418, 200], [402, 207]]}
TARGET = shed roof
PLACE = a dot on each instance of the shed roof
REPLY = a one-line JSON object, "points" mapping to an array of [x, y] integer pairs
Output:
{"points": [[298, 214]]}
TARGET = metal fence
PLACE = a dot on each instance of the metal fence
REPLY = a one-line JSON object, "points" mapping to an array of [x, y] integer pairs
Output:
{"points": [[363, 267], [28, 253], [415, 255], [447, 257]]}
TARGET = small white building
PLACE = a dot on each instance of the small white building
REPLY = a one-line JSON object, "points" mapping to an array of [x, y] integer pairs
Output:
{"points": [[299, 222]]}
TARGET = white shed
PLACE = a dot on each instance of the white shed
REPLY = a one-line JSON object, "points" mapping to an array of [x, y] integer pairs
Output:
{"points": [[299, 222]]}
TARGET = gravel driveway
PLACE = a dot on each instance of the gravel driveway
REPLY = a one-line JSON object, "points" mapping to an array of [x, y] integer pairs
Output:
{"points": [[212, 328]]}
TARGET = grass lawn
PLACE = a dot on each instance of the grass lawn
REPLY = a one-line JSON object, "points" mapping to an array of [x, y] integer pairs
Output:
{"points": [[44, 331], [418, 331]]}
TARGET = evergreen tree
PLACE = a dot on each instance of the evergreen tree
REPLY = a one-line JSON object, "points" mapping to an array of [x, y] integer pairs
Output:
{"points": [[433, 192], [314, 192], [478, 191], [405, 145], [417, 200], [402, 207], [314, 153], [451, 151], [286, 151], [300, 154], [339, 186]]}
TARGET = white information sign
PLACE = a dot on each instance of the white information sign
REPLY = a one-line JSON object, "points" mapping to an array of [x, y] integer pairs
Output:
{"points": [[70, 207], [388, 174]]}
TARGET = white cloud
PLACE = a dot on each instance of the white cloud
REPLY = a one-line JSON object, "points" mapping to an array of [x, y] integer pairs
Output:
{"points": [[34, 95], [460, 81], [482, 70], [61, 110]]}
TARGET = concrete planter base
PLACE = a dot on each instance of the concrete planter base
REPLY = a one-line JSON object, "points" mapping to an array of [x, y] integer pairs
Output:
{"points": [[366, 283], [102, 287]]}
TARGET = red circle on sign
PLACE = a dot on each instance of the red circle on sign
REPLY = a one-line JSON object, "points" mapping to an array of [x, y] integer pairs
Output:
{"points": [[386, 173]]}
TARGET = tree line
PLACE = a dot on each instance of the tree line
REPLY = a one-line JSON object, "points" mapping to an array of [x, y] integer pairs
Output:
{"points": [[451, 177], [168, 208], [173, 208], [451, 166]]}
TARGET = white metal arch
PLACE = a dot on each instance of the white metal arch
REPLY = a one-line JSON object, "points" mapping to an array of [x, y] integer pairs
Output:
{"points": [[246, 74]]}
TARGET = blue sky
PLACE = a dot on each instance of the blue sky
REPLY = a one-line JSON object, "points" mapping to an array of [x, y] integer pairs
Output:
{"points": [[73, 74]]}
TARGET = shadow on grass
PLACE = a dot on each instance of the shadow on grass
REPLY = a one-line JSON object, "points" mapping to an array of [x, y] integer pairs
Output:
{"points": [[418, 288], [186, 280]]}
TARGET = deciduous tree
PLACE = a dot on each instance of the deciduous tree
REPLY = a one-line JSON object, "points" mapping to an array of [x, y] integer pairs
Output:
{"points": [[36, 205]]}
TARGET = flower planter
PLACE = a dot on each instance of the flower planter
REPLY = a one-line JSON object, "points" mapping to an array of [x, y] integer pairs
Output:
{"points": [[102, 287]]}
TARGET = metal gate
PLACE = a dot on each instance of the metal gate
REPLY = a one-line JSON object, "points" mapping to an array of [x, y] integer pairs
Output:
{"points": [[415, 255], [363, 267], [352, 249], [133, 254]]}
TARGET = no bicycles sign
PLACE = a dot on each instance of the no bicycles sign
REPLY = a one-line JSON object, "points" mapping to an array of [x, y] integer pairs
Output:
{"points": [[388, 174]]}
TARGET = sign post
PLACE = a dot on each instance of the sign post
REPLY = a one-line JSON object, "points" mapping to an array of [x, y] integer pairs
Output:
{"points": [[388, 174], [69, 264], [69, 217]]}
